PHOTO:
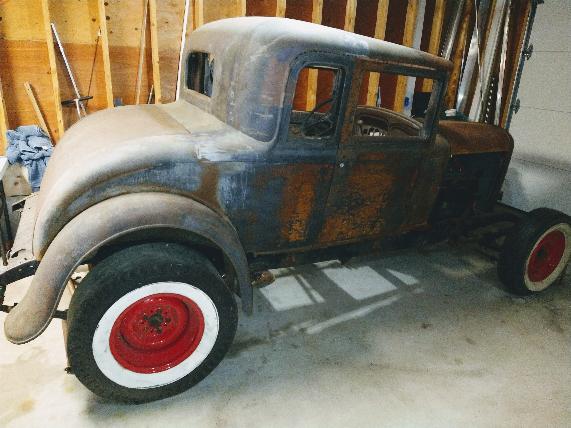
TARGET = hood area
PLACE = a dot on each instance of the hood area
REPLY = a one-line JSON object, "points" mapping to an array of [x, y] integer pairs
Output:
{"points": [[472, 137], [132, 149]]}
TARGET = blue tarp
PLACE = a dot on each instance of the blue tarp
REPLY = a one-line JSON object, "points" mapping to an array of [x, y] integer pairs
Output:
{"points": [[30, 146]]}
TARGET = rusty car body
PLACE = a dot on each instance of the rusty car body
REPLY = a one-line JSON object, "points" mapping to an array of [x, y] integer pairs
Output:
{"points": [[222, 172]]}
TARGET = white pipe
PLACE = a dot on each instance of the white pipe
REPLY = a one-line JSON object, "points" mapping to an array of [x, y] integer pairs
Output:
{"points": [[182, 43]]}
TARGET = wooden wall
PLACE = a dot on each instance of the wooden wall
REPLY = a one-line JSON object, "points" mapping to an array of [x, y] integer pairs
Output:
{"points": [[102, 39]]}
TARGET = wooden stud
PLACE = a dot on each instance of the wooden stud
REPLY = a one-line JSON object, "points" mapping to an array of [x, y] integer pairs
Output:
{"points": [[199, 13], [350, 12], [280, 8], [4, 126], [36, 108], [380, 29], [243, 7], [435, 36], [409, 25], [155, 50], [316, 17], [105, 52], [53, 67]]}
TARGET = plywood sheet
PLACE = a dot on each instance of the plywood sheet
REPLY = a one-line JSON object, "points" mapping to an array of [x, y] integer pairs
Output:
{"points": [[23, 57], [124, 19]]}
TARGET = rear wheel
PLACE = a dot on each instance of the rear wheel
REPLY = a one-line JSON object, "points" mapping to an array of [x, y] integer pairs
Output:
{"points": [[537, 252], [149, 322]]}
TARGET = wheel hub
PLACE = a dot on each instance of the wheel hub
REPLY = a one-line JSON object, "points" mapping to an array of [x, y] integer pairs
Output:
{"points": [[546, 256], [156, 333]]}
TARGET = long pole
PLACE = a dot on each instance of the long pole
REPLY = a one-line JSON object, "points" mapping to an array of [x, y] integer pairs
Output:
{"points": [[67, 66]]}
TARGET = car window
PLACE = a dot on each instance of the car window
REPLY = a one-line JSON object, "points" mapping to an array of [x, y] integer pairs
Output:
{"points": [[200, 73], [377, 114], [316, 117]]}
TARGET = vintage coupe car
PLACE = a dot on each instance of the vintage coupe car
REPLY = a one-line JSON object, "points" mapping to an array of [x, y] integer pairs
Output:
{"points": [[177, 208]]}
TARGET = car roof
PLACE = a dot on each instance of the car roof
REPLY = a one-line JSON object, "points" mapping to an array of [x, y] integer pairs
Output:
{"points": [[266, 33], [253, 58]]}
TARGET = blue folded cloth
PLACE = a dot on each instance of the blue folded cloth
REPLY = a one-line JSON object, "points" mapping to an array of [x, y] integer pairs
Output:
{"points": [[30, 146]]}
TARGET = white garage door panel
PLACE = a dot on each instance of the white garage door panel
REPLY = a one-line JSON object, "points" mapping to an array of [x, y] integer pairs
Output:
{"points": [[543, 136], [546, 81], [552, 29], [540, 173], [529, 186]]}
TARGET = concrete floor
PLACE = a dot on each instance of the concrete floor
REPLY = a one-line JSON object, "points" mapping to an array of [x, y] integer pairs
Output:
{"points": [[421, 339]]}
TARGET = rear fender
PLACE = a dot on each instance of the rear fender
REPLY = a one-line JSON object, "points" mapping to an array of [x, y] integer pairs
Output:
{"points": [[101, 225]]}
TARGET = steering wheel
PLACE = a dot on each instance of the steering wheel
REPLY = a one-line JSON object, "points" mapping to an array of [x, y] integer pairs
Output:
{"points": [[322, 126]]}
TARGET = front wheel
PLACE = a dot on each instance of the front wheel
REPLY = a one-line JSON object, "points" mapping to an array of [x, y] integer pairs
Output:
{"points": [[149, 322], [537, 252]]}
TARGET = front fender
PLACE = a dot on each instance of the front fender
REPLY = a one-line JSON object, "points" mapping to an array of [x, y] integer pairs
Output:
{"points": [[102, 224]]}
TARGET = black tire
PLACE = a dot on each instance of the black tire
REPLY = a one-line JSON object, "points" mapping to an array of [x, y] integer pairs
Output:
{"points": [[133, 273], [520, 256]]}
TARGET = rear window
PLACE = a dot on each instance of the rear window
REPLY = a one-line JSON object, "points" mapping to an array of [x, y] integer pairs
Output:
{"points": [[200, 73]]}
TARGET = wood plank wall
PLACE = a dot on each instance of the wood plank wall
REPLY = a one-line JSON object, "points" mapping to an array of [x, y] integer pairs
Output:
{"points": [[102, 39]]}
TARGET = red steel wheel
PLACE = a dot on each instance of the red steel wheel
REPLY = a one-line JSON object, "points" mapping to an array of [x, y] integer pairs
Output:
{"points": [[548, 257], [156, 333], [536, 251], [149, 321]]}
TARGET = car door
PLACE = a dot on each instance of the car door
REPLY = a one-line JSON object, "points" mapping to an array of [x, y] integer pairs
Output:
{"points": [[290, 188], [382, 183]]}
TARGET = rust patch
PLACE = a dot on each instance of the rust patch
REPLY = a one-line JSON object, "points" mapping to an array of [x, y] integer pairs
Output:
{"points": [[208, 188], [298, 202], [358, 210]]}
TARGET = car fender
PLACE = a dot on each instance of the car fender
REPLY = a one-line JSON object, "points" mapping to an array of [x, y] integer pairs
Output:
{"points": [[104, 223]]}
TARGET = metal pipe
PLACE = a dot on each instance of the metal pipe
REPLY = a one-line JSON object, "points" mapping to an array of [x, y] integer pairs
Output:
{"points": [[67, 66], [473, 61], [451, 37], [141, 54], [502, 71], [182, 43], [482, 94]]}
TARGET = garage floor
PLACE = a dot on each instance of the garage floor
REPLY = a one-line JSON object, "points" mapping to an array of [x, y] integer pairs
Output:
{"points": [[422, 339]]}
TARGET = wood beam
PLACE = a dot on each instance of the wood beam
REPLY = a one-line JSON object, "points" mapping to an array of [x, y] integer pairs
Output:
{"points": [[280, 8], [105, 52], [36, 108], [408, 37], [199, 13], [316, 17], [435, 36], [53, 69], [350, 12], [155, 51], [4, 125], [380, 29]]}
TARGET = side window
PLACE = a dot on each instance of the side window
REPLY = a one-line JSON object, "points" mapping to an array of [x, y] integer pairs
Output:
{"points": [[200, 73], [319, 118], [378, 115]]}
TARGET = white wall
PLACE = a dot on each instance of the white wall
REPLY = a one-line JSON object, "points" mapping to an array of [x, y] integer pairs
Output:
{"points": [[540, 172]]}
